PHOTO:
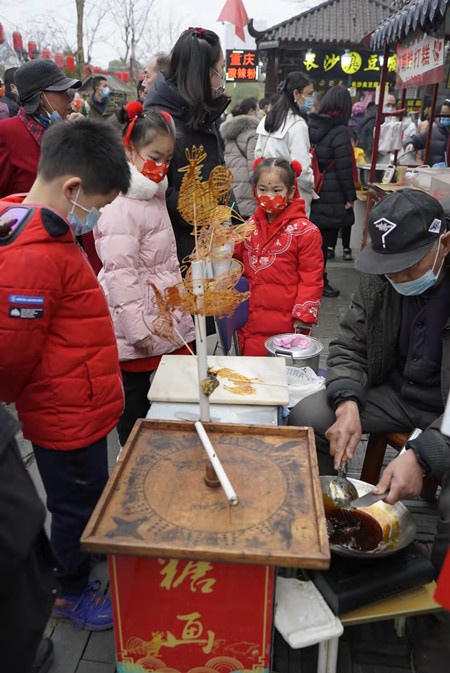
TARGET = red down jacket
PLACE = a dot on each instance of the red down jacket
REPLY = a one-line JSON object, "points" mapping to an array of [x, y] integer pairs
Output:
{"points": [[283, 262], [58, 354]]}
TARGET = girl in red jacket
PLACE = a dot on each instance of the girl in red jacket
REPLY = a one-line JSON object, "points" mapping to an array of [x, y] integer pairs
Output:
{"points": [[282, 259]]}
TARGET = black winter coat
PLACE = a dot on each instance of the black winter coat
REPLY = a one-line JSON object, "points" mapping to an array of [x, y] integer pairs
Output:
{"points": [[331, 137], [165, 96], [26, 563], [366, 132], [438, 142], [355, 125]]}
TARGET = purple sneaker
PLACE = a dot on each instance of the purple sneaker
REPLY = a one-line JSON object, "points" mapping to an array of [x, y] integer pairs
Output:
{"points": [[92, 610]]}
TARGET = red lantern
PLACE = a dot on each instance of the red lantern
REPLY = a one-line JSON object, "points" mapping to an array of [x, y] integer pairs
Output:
{"points": [[45, 53], [59, 60], [2, 34], [118, 74], [106, 72], [87, 70], [70, 63], [17, 42], [125, 77], [96, 69], [32, 50]]}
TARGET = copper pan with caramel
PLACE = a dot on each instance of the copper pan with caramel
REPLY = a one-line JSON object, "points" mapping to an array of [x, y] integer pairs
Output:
{"points": [[368, 532]]}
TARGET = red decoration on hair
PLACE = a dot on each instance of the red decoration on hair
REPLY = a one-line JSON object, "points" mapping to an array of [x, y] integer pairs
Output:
{"points": [[296, 167], [200, 31], [167, 116], [257, 162], [134, 109]]}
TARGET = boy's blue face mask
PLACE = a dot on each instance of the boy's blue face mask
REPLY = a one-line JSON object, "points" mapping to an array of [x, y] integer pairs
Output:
{"points": [[91, 220], [444, 121], [412, 288]]}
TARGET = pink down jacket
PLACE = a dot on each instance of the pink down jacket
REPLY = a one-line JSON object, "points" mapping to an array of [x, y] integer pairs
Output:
{"points": [[135, 242]]}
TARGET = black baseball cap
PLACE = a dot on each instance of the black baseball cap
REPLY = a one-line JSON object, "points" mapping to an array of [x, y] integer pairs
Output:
{"points": [[39, 75], [403, 228]]}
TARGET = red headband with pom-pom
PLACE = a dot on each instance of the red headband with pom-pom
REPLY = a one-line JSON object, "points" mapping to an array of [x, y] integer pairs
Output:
{"points": [[296, 167], [134, 109]]}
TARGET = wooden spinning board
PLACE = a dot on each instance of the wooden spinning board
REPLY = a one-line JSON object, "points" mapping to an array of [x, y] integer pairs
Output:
{"points": [[157, 504]]}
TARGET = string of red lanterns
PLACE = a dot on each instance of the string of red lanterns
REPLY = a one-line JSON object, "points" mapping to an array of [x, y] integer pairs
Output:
{"points": [[69, 62]]}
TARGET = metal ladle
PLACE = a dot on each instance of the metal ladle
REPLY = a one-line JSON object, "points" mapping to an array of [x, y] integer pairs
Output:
{"points": [[339, 489]]}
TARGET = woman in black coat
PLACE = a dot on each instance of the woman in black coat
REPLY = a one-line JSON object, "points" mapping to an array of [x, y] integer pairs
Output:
{"points": [[329, 134], [192, 92]]}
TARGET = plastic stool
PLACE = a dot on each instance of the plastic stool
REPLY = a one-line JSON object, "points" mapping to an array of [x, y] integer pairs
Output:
{"points": [[303, 618]]}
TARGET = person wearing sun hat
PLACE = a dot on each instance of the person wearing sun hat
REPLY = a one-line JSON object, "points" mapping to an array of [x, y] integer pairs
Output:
{"points": [[45, 99]]}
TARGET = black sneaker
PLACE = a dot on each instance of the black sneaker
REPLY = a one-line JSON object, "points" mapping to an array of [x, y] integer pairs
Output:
{"points": [[329, 291], [347, 255], [44, 656], [331, 253]]}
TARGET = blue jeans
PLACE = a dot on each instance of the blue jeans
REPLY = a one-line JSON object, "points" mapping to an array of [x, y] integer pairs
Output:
{"points": [[73, 481]]}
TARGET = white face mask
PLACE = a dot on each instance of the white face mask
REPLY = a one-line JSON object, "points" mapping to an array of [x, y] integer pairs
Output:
{"points": [[218, 91]]}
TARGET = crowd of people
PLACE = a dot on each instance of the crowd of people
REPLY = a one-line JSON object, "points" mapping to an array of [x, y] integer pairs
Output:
{"points": [[89, 184]]}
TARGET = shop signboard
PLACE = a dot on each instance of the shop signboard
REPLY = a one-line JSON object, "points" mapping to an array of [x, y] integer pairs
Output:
{"points": [[242, 65], [420, 62], [356, 69]]}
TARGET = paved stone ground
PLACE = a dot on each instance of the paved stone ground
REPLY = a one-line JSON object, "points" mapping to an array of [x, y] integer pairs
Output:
{"points": [[368, 649]]}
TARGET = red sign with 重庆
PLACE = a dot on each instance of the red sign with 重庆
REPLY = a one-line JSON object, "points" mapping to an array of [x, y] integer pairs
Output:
{"points": [[241, 65], [191, 615]]}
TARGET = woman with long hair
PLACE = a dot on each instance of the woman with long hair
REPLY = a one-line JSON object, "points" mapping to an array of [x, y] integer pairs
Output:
{"points": [[192, 91], [330, 135], [284, 131]]}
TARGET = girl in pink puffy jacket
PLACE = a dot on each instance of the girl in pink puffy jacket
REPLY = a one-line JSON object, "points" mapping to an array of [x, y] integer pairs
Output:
{"points": [[135, 242]]}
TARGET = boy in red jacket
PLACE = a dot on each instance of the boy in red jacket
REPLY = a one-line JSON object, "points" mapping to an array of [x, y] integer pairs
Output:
{"points": [[58, 356]]}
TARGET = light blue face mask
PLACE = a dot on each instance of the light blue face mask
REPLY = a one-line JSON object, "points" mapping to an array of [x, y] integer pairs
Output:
{"points": [[412, 288], [54, 115], [307, 105], [444, 121], [105, 92], [91, 220]]}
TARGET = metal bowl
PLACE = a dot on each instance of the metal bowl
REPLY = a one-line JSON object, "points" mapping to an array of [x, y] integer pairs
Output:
{"points": [[364, 172], [400, 521]]}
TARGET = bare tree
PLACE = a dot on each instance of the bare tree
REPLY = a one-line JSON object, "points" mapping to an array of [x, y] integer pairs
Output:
{"points": [[94, 19], [162, 34], [48, 33], [80, 46], [131, 18]]}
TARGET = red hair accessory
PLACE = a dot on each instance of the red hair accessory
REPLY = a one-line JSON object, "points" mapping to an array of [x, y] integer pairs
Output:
{"points": [[200, 31], [134, 109], [296, 167], [257, 162], [167, 116]]}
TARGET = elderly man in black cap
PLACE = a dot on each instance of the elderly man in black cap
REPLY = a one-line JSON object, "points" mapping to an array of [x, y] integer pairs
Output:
{"points": [[388, 369], [45, 98]]}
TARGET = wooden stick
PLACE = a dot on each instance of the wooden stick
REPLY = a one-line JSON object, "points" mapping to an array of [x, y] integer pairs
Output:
{"points": [[200, 337], [217, 465]]}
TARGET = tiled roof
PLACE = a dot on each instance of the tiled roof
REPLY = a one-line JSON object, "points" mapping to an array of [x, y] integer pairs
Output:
{"points": [[337, 21], [417, 14]]}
